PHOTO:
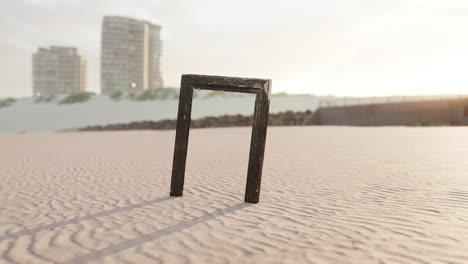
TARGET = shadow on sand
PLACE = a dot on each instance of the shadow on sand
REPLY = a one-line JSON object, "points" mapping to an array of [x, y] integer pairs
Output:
{"points": [[154, 235], [76, 220]]}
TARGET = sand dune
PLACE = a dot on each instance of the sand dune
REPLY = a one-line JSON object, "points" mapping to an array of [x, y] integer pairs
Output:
{"points": [[329, 195]]}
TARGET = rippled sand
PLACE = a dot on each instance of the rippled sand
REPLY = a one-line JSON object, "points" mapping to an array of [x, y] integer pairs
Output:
{"points": [[329, 195]]}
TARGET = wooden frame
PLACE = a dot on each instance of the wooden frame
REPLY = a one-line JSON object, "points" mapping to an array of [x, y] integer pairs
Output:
{"points": [[262, 88]]}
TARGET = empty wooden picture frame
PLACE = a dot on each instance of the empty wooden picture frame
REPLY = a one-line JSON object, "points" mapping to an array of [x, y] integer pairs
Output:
{"points": [[260, 87]]}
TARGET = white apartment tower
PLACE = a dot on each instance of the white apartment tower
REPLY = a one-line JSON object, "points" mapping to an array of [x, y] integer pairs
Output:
{"points": [[58, 70], [130, 55]]}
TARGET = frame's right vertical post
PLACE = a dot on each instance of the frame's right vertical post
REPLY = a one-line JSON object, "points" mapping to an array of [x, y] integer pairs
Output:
{"points": [[257, 144]]}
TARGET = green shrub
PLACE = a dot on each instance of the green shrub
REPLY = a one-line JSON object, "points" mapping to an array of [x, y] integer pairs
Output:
{"points": [[131, 96], [77, 98], [215, 94], [196, 93], [156, 94], [147, 95], [222, 94], [283, 94], [116, 96], [7, 102], [44, 99], [167, 93], [49, 98]]}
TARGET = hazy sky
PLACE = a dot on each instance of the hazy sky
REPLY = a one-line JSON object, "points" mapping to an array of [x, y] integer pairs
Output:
{"points": [[340, 47]]}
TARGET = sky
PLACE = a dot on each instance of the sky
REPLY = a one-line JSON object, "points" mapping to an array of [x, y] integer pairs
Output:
{"points": [[333, 47]]}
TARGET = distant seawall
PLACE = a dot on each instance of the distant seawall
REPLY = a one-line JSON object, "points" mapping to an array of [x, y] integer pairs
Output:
{"points": [[430, 113], [418, 113], [288, 118]]}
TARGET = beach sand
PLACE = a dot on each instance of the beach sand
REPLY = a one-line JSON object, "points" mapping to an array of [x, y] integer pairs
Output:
{"points": [[329, 195]]}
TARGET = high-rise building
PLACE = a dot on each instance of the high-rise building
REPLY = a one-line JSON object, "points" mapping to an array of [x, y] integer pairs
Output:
{"points": [[130, 55], [58, 70]]}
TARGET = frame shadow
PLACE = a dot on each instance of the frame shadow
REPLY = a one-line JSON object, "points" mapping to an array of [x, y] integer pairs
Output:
{"points": [[76, 220], [113, 249]]}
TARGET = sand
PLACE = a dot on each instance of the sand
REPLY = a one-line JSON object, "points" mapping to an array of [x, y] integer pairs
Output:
{"points": [[329, 195]]}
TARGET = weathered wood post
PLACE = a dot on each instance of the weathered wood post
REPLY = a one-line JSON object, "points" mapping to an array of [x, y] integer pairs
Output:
{"points": [[260, 87], [257, 145], [182, 136]]}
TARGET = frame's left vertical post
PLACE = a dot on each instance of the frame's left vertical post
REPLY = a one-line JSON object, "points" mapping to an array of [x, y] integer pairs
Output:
{"points": [[181, 139]]}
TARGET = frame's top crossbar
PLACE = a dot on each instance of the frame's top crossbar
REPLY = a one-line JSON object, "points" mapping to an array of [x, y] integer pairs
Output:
{"points": [[228, 84]]}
